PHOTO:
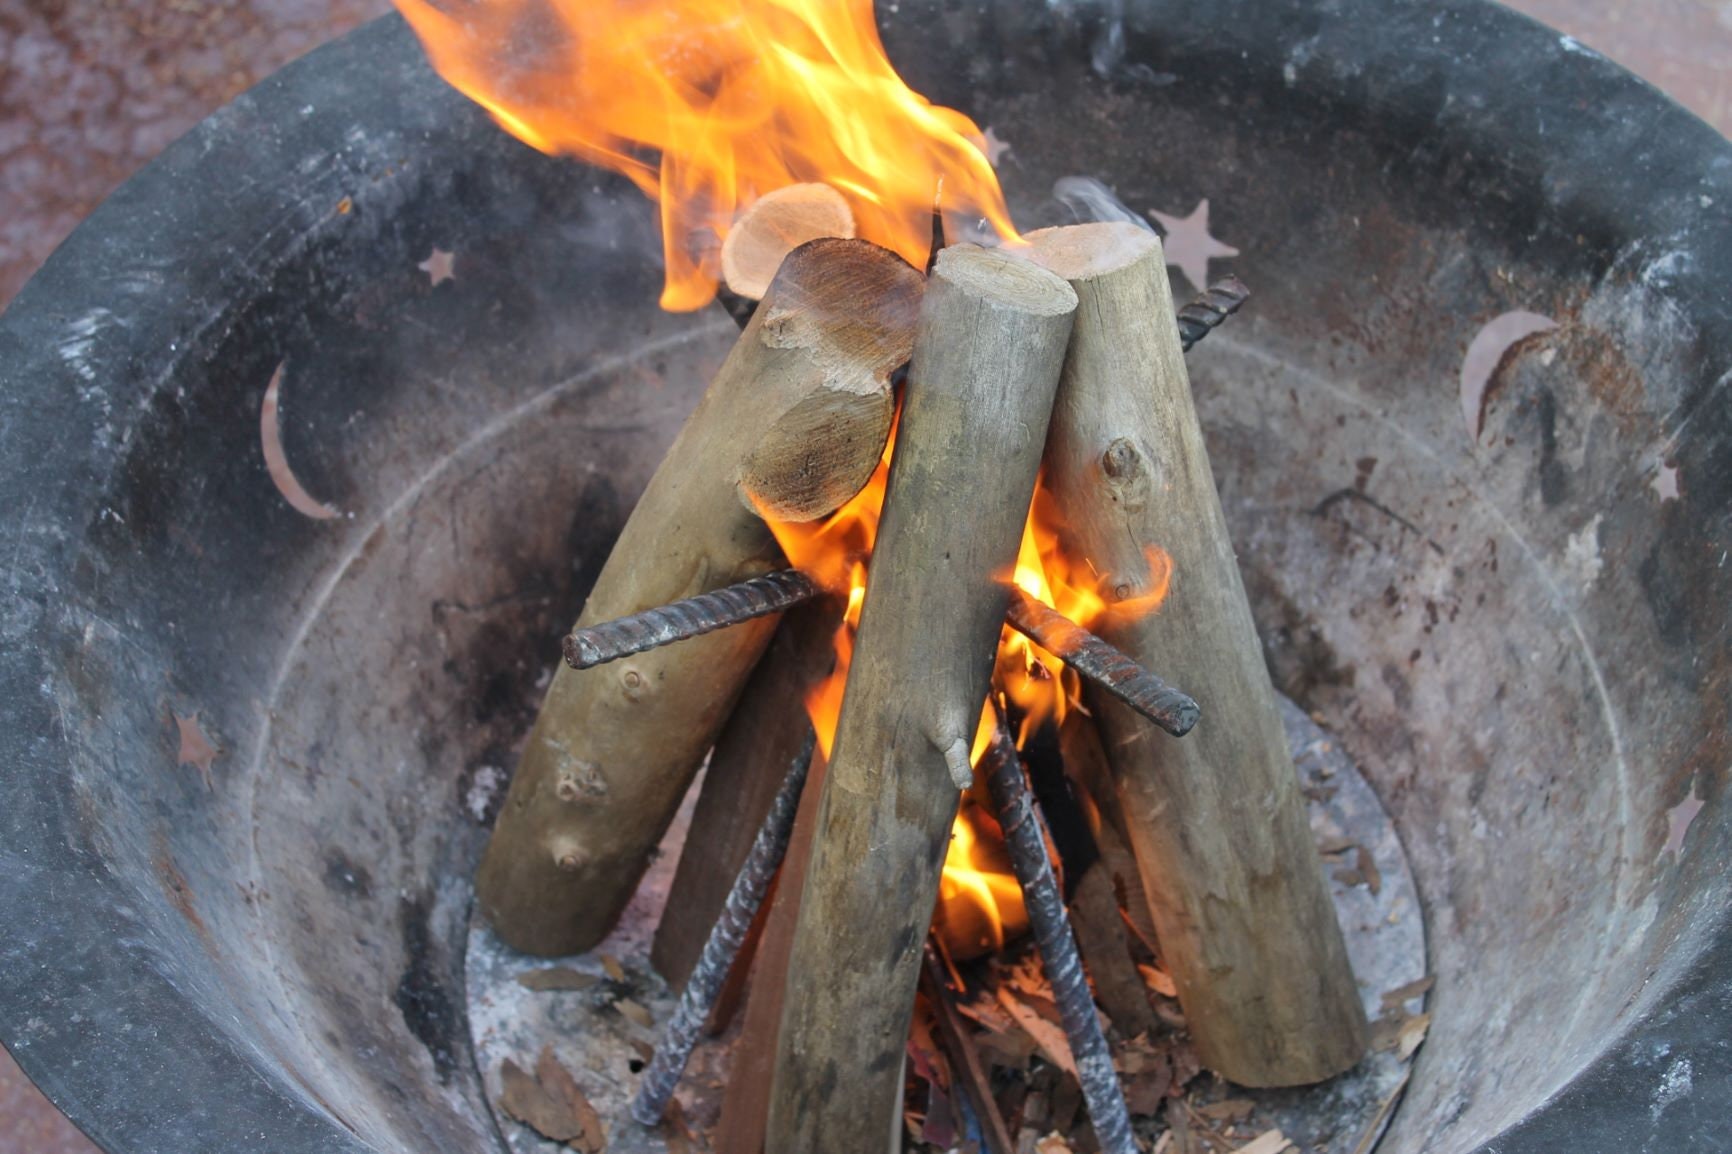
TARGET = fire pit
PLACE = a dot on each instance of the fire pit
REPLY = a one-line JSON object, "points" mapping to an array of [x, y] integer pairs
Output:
{"points": [[324, 424]]}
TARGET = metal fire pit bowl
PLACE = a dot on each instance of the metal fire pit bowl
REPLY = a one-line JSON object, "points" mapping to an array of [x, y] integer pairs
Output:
{"points": [[266, 653]]}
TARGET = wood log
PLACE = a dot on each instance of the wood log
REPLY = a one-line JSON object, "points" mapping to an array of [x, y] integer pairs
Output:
{"points": [[775, 225], [1217, 821], [974, 414], [746, 767], [746, 1097], [793, 423], [1086, 762]]}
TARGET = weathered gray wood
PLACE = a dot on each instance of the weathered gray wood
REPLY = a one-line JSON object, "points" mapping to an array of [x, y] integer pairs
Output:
{"points": [[986, 359], [746, 768], [1216, 819], [794, 422]]}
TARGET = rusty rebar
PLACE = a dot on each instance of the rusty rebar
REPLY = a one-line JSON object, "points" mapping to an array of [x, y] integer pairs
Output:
{"points": [[723, 945], [1057, 944], [1206, 312], [693, 617], [1102, 664]]}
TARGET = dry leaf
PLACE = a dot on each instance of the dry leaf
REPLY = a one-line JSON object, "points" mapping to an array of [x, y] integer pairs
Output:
{"points": [[557, 1081], [1349, 877], [1400, 995], [1268, 1142], [1368, 869], [1010, 1050], [1411, 1035], [635, 1013], [679, 1134], [1048, 1037], [1159, 981], [557, 978], [1052, 1144], [1163, 1144], [613, 968], [987, 1014], [526, 1100], [1228, 1109], [1336, 845], [1147, 1089]]}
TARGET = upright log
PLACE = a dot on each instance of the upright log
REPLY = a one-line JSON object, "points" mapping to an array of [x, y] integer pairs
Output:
{"points": [[1216, 820], [986, 360], [793, 423]]}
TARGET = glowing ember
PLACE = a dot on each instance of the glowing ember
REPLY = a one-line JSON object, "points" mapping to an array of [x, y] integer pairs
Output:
{"points": [[709, 104]]}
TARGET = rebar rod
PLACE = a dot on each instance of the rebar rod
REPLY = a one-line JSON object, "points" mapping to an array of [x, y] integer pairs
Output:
{"points": [[723, 945], [1205, 313], [691, 617], [1057, 944], [1102, 664]]}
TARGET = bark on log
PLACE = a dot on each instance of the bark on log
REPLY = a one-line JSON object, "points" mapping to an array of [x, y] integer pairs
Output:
{"points": [[793, 423], [746, 769], [974, 415], [1217, 822]]}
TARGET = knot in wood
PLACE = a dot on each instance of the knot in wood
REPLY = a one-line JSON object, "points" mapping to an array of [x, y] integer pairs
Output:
{"points": [[1128, 473], [580, 781], [568, 856]]}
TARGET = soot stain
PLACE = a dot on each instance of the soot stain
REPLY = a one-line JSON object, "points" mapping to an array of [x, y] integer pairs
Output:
{"points": [[426, 1004]]}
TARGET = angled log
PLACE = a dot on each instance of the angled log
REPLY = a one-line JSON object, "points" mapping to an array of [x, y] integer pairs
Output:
{"points": [[1216, 819], [793, 424], [775, 225], [746, 769], [986, 359]]}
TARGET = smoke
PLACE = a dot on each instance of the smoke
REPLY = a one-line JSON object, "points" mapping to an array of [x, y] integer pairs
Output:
{"points": [[1089, 199]]}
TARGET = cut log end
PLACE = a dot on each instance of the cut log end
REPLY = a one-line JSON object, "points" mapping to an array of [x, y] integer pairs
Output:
{"points": [[850, 306], [774, 226], [1001, 277], [1085, 251]]}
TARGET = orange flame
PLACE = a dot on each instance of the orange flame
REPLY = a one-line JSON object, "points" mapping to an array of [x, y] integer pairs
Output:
{"points": [[707, 105], [980, 903]]}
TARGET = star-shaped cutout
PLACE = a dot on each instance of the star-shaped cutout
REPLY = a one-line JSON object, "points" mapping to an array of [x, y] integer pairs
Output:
{"points": [[1678, 820], [441, 266], [1189, 246], [994, 148], [194, 748], [1665, 482]]}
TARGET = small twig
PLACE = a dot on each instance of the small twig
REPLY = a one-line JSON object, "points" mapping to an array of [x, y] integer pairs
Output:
{"points": [[1375, 1130], [1058, 950], [1102, 664], [1206, 312], [711, 972], [976, 1082], [692, 617]]}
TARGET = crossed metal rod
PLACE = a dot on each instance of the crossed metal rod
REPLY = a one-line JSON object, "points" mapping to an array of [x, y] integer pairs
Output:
{"points": [[1094, 660]]}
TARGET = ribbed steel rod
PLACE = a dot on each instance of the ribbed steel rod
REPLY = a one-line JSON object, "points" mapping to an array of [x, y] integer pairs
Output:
{"points": [[1205, 313], [1047, 916], [1102, 664], [723, 946], [692, 617]]}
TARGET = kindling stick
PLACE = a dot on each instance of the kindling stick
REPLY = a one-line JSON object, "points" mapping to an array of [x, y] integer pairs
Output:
{"points": [[1058, 950], [1095, 660], [723, 946]]}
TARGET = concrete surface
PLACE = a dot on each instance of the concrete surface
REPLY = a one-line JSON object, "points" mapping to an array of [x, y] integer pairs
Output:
{"points": [[91, 89]]}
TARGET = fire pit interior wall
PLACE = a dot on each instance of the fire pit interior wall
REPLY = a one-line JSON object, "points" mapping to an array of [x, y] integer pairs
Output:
{"points": [[1512, 627]]}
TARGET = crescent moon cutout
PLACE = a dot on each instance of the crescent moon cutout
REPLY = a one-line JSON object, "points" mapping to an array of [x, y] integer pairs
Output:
{"points": [[277, 463], [1486, 353]]}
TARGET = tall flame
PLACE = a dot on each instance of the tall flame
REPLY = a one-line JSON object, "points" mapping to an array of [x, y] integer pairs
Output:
{"points": [[708, 104]]}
